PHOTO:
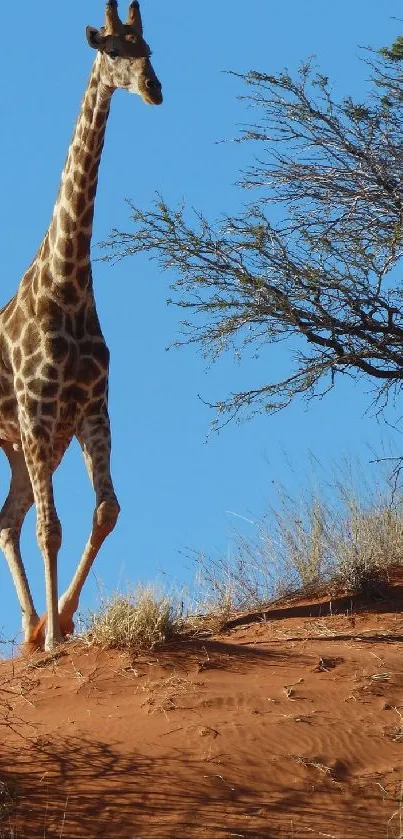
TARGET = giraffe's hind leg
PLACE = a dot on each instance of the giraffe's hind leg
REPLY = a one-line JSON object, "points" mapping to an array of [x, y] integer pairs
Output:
{"points": [[19, 500], [94, 438]]}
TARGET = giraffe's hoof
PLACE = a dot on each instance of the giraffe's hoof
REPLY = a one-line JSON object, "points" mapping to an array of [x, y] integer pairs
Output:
{"points": [[66, 626], [37, 637], [39, 633]]}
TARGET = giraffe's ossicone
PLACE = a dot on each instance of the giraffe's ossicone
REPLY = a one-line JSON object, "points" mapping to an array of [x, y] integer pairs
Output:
{"points": [[53, 356]]}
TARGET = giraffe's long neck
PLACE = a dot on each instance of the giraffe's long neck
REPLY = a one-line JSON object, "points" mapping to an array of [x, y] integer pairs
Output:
{"points": [[66, 246]]}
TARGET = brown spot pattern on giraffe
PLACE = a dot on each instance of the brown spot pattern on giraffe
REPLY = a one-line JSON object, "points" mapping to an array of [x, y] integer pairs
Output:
{"points": [[66, 249], [31, 365]]}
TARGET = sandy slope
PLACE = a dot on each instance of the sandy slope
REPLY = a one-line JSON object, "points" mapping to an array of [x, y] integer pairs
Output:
{"points": [[291, 727]]}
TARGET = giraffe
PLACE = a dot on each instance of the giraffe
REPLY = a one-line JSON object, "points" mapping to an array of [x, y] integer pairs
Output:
{"points": [[53, 357]]}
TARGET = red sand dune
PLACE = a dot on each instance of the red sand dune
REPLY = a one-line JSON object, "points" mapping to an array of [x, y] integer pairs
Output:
{"points": [[291, 727]]}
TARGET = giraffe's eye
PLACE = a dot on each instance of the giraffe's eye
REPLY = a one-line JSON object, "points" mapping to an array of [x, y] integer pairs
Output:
{"points": [[113, 54]]}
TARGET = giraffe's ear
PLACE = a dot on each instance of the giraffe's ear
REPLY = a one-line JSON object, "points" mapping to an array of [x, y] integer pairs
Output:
{"points": [[94, 37]]}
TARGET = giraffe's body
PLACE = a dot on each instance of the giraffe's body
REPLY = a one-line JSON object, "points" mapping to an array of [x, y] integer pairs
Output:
{"points": [[53, 357]]}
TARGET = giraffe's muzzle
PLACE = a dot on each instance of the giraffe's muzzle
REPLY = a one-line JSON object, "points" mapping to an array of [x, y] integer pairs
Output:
{"points": [[152, 91]]}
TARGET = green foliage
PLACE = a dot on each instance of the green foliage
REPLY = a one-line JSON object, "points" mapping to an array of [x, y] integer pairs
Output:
{"points": [[395, 52]]}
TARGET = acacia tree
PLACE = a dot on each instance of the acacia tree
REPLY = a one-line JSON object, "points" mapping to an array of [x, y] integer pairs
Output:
{"points": [[314, 258]]}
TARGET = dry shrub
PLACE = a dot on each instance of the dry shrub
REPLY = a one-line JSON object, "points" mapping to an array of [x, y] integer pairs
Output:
{"points": [[243, 579], [368, 541], [142, 619], [343, 535], [336, 533], [285, 552]]}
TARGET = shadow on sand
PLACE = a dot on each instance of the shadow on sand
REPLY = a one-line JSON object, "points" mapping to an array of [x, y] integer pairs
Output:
{"points": [[75, 787]]}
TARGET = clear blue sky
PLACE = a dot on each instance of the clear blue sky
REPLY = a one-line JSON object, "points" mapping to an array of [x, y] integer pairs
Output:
{"points": [[175, 490]]}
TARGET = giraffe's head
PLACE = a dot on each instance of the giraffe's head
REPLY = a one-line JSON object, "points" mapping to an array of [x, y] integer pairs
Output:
{"points": [[124, 54]]}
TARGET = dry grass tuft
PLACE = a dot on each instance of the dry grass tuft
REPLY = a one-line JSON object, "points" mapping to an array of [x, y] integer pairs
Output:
{"points": [[142, 620]]}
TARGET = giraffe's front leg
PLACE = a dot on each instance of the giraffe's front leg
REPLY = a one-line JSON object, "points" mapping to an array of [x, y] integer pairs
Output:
{"points": [[37, 441], [95, 440]]}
